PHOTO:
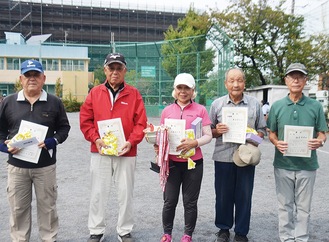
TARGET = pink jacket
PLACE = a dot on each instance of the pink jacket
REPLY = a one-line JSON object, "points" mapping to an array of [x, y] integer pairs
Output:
{"points": [[189, 113], [128, 106]]}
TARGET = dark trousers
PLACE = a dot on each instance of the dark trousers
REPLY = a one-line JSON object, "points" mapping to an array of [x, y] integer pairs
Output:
{"points": [[190, 180], [233, 187]]}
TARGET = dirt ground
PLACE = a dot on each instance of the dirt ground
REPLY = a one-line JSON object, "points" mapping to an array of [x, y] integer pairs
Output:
{"points": [[73, 197]]}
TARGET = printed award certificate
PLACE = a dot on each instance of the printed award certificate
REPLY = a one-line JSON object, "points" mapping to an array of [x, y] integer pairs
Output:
{"points": [[236, 119], [111, 132], [297, 138], [176, 132], [31, 152]]}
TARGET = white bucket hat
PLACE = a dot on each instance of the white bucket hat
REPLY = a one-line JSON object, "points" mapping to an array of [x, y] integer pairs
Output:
{"points": [[247, 154]]}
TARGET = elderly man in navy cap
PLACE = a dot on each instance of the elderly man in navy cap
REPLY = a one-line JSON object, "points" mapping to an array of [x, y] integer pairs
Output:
{"points": [[114, 99], [40, 109], [295, 161]]}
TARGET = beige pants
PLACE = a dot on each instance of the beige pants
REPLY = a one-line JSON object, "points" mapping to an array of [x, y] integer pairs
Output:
{"points": [[19, 193], [106, 170]]}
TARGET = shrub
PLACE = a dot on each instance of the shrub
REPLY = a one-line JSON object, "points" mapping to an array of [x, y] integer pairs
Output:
{"points": [[71, 104]]}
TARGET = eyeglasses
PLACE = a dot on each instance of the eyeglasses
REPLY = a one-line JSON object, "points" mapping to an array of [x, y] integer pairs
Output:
{"points": [[113, 69], [30, 74], [296, 78]]}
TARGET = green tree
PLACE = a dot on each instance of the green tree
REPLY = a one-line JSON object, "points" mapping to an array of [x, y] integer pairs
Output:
{"points": [[58, 88], [319, 60], [99, 75], [209, 87], [186, 49], [146, 86], [18, 85], [266, 40]]}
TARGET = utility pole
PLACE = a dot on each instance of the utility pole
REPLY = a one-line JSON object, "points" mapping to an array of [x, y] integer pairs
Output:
{"points": [[41, 19], [112, 42], [292, 7], [66, 33]]}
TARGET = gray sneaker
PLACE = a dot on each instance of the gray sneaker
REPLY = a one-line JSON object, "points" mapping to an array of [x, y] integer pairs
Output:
{"points": [[223, 236], [96, 238], [126, 238], [240, 238]]}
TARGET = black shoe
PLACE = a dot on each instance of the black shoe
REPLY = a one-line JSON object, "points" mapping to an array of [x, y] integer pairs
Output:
{"points": [[96, 238], [240, 238], [223, 236], [126, 238]]}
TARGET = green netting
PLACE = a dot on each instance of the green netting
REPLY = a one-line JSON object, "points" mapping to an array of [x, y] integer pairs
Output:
{"points": [[153, 72]]}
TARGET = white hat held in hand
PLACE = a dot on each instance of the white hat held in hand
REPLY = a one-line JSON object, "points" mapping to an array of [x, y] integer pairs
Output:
{"points": [[247, 154]]}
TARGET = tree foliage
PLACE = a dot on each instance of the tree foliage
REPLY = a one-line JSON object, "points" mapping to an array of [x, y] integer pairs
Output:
{"points": [[186, 49], [187, 42], [145, 85], [99, 75], [58, 88], [266, 40], [18, 85], [319, 59]]}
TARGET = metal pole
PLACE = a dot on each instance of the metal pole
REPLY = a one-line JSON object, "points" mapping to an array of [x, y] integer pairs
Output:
{"points": [[293, 7], [41, 17], [112, 42]]}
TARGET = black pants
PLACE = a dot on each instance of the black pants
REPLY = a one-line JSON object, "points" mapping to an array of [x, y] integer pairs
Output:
{"points": [[191, 184]]}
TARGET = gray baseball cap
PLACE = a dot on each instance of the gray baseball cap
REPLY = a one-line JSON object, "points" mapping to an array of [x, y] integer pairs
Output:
{"points": [[296, 67]]}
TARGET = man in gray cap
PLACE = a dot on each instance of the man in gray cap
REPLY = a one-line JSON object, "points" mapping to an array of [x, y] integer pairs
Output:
{"points": [[295, 171]]}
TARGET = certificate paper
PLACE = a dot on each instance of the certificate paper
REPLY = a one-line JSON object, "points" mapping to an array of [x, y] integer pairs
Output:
{"points": [[31, 153], [297, 138], [25, 143], [115, 127], [236, 119], [176, 132]]}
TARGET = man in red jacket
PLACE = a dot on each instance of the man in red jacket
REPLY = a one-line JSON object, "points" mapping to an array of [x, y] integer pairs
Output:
{"points": [[110, 100]]}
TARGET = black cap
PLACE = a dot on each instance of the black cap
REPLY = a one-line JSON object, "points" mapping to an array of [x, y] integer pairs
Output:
{"points": [[114, 58]]}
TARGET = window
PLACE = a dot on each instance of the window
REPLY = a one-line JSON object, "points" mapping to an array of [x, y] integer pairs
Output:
{"points": [[67, 65], [78, 65], [2, 63], [50, 64], [13, 64]]}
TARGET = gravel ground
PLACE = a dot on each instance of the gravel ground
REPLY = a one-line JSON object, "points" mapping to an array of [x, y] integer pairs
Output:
{"points": [[73, 199]]}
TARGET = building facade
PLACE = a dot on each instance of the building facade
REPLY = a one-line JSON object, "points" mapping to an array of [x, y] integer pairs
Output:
{"points": [[63, 64], [70, 39], [68, 22]]}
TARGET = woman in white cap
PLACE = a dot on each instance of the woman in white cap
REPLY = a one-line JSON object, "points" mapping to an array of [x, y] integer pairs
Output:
{"points": [[180, 174]]}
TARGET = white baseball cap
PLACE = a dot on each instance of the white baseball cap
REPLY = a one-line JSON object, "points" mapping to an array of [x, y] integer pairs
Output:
{"points": [[185, 79]]}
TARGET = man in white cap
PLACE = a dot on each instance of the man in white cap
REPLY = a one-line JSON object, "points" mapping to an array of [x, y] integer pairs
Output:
{"points": [[295, 175], [113, 99]]}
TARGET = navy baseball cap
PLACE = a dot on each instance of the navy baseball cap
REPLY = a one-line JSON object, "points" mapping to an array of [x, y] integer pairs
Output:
{"points": [[115, 58], [31, 65]]}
